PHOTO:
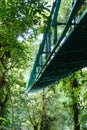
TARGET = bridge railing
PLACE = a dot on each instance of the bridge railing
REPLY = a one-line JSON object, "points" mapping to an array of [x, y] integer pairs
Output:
{"points": [[51, 42]]}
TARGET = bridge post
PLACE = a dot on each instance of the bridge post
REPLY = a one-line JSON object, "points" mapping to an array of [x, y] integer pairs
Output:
{"points": [[48, 44], [55, 34], [54, 22]]}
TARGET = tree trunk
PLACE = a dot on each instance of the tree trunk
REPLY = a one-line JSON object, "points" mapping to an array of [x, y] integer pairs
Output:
{"points": [[74, 85], [76, 117], [36, 127], [2, 111], [42, 124], [3, 106], [10, 97]]}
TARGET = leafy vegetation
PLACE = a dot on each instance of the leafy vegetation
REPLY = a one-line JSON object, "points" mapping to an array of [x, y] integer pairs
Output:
{"points": [[16, 19], [61, 107]]}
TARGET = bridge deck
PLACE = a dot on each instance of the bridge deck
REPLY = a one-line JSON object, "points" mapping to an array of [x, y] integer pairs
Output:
{"points": [[69, 53], [70, 57]]}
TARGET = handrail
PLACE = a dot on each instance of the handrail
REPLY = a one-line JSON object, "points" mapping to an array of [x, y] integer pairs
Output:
{"points": [[52, 22], [42, 44]]}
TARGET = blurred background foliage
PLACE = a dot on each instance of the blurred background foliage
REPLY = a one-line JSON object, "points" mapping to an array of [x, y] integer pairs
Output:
{"points": [[22, 24]]}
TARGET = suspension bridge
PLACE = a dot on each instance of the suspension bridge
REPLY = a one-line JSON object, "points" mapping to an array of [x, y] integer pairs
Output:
{"points": [[60, 56]]}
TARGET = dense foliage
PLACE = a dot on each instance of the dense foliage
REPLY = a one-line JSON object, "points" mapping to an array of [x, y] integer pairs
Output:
{"points": [[16, 19], [61, 107]]}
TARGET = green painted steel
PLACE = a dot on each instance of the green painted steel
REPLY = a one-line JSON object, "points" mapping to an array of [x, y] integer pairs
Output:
{"points": [[77, 5], [56, 11], [31, 79], [65, 58]]}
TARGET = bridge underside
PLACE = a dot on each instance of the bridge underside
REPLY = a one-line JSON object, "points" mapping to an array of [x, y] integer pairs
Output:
{"points": [[68, 58]]}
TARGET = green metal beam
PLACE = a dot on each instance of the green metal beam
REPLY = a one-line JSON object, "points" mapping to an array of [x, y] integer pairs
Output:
{"points": [[52, 22]]}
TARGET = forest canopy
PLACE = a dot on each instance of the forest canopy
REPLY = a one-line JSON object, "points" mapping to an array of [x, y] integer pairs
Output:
{"points": [[61, 107]]}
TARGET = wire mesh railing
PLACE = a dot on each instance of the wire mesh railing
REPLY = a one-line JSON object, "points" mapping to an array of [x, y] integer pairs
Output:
{"points": [[55, 34]]}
